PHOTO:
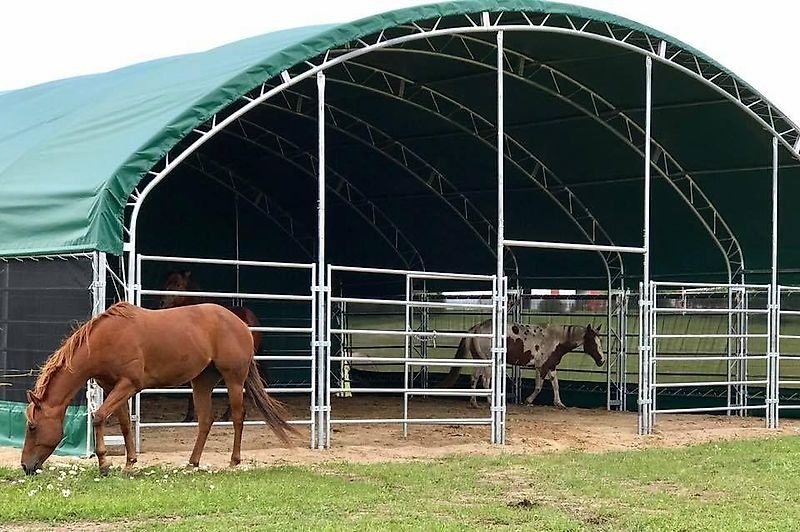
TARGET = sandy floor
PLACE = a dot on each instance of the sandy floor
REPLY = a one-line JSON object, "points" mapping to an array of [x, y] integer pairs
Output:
{"points": [[530, 430]]}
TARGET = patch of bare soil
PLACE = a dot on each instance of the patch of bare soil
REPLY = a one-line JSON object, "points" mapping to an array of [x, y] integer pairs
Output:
{"points": [[537, 429]]}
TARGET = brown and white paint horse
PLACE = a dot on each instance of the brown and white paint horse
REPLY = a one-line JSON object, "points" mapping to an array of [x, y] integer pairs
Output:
{"points": [[182, 281], [538, 346]]}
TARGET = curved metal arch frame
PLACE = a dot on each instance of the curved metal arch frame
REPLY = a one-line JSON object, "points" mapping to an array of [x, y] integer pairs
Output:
{"points": [[348, 123], [259, 200], [640, 42], [343, 189], [446, 108], [556, 83]]}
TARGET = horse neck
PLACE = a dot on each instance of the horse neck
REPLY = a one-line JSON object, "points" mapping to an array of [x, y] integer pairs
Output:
{"points": [[573, 335], [63, 386]]}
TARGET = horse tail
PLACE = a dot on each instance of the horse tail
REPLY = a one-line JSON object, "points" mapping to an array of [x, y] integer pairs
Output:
{"points": [[455, 371], [274, 411]]}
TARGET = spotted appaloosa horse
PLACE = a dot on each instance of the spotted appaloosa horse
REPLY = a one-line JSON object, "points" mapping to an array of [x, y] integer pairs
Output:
{"points": [[181, 281], [539, 346]]}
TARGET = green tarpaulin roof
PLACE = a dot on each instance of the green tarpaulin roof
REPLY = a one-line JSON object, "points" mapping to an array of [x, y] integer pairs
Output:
{"points": [[72, 151]]}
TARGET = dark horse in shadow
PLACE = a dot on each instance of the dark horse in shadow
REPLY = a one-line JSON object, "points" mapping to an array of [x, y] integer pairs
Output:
{"points": [[182, 281]]}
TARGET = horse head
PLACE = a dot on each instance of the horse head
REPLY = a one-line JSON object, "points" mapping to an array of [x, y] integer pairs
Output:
{"points": [[592, 344], [177, 282], [43, 433]]}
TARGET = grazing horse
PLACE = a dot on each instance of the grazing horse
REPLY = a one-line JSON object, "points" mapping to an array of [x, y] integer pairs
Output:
{"points": [[127, 349], [540, 346], [182, 281]]}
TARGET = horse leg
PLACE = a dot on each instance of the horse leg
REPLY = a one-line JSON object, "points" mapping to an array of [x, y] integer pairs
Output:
{"points": [[201, 394], [556, 397], [124, 418], [476, 375], [119, 395], [536, 389], [236, 398]]}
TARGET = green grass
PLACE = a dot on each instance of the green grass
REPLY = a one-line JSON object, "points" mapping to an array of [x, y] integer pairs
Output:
{"points": [[750, 485]]}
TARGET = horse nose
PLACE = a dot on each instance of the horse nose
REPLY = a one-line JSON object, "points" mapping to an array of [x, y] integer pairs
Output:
{"points": [[28, 470]]}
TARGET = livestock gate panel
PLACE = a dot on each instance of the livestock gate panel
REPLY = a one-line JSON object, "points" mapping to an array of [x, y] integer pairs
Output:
{"points": [[788, 374], [412, 328], [707, 343], [578, 374], [287, 337]]}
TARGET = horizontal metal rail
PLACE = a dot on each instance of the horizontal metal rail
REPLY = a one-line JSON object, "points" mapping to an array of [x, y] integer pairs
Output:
{"points": [[298, 330], [230, 262], [414, 304], [789, 336], [415, 361], [421, 334], [707, 409], [415, 274], [790, 312], [789, 407], [415, 421], [455, 392], [239, 295], [181, 391], [216, 423], [569, 246], [668, 310], [693, 358], [720, 286], [285, 358], [704, 383], [693, 335]]}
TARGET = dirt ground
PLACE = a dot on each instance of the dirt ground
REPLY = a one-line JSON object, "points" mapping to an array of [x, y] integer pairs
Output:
{"points": [[537, 429]]}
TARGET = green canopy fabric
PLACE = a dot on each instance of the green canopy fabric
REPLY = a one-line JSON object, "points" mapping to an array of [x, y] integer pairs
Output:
{"points": [[72, 151]]}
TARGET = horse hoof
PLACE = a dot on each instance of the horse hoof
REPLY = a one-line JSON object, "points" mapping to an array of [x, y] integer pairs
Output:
{"points": [[561, 406], [235, 462], [104, 469], [130, 463]]}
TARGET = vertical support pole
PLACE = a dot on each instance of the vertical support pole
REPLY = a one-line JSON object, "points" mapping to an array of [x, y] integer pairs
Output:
{"points": [[407, 383], [94, 394], [644, 295], [498, 402], [774, 373], [313, 398], [322, 369]]}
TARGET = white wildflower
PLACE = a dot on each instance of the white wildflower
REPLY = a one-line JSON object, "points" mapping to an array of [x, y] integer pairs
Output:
{"points": [[66, 492], [51, 468], [49, 486], [38, 471], [32, 492], [97, 479]]}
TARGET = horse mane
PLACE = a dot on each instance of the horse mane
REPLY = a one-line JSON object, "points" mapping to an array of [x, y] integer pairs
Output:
{"points": [[63, 356]]}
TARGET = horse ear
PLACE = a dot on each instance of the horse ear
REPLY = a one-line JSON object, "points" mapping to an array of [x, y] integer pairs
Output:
{"points": [[33, 398], [598, 328], [515, 328], [187, 273]]}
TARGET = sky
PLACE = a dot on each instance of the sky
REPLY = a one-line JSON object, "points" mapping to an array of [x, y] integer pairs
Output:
{"points": [[52, 39]]}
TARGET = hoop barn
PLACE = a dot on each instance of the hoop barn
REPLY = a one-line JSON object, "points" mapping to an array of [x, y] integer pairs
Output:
{"points": [[373, 189]]}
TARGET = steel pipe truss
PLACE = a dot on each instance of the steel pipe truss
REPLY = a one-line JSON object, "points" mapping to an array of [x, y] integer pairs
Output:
{"points": [[593, 105], [307, 162], [256, 198], [398, 153], [482, 129], [672, 55]]}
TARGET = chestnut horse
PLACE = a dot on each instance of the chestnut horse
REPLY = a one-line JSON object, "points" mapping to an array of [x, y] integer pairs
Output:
{"points": [[127, 349], [181, 282]]}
